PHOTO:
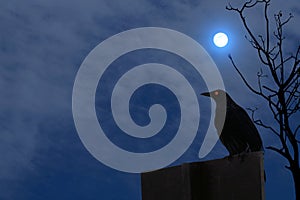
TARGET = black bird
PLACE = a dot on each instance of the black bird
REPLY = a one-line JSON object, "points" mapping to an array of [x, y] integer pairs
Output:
{"points": [[239, 134]]}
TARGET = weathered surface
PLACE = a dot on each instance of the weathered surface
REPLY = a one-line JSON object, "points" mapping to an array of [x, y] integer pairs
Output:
{"points": [[223, 179]]}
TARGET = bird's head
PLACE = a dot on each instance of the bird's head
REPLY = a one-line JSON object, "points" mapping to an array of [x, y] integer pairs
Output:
{"points": [[217, 95]]}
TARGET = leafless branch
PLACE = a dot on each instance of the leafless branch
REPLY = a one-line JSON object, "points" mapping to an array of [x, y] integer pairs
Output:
{"points": [[296, 130], [260, 123], [280, 151], [247, 84], [284, 98]]}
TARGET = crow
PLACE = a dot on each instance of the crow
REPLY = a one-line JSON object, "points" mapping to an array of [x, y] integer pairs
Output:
{"points": [[238, 134]]}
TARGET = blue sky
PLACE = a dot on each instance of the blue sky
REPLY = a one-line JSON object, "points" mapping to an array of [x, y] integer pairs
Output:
{"points": [[43, 44]]}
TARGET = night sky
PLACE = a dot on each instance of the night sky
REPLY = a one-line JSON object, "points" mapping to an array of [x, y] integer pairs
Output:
{"points": [[43, 44]]}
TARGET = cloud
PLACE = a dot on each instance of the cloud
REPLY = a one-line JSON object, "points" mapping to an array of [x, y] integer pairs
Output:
{"points": [[43, 43]]}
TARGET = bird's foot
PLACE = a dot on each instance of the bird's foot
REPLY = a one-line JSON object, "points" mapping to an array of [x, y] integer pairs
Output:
{"points": [[243, 154]]}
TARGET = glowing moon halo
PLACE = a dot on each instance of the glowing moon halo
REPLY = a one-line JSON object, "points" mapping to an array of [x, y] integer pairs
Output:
{"points": [[220, 39]]}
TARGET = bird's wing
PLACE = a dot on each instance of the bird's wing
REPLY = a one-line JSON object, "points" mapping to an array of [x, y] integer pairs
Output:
{"points": [[246, 129]]}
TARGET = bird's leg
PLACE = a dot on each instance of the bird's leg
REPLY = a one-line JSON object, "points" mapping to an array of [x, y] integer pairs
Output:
{"points": [[243, 154]]}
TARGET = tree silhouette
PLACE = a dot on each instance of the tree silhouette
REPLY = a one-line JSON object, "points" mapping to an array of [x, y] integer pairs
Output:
{"points": [[283, 95]]}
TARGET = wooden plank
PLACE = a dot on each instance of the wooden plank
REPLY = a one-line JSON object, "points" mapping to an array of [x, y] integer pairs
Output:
{"points": [[241, 177]]}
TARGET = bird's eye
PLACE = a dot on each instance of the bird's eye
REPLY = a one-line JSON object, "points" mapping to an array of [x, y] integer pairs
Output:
{"points": [[216, 93]]}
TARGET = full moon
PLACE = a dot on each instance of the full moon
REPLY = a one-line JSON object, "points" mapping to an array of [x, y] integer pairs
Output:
{"points": [[220, 39]]}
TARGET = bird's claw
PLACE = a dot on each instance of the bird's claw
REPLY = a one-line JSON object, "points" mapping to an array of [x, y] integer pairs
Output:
{"points": [[243, 154]]}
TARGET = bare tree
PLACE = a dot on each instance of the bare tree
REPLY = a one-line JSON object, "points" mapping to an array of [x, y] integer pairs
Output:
{"points": [[283, 95]]}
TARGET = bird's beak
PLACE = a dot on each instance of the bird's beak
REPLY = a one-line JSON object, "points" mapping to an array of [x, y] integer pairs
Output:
{"points": [[206, 94]]}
